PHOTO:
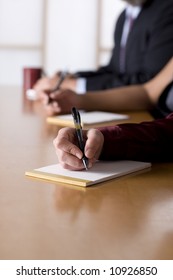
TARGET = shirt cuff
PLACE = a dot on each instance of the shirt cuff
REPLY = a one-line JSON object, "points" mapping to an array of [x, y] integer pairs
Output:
{"points": [[81, 86]]}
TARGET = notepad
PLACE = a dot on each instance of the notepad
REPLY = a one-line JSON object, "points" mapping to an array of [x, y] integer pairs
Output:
{"points": [[100, 172], [87, 118]]}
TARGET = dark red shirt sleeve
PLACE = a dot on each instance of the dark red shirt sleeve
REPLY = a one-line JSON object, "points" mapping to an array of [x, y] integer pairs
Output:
{"points": [[147, 141]]}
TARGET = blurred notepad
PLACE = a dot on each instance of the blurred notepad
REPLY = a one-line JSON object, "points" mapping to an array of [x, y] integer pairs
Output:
{"points": [[87, 118], [100, 172]]}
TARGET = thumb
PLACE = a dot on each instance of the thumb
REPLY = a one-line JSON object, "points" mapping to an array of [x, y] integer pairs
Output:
{"points": [[94, 143]]}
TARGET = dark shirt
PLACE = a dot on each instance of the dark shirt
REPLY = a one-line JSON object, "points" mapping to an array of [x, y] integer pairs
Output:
{"points": [[165, 103], [147, 141]]}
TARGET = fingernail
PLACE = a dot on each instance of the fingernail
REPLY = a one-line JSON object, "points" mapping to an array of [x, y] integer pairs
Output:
{"points": [[78, 155]]}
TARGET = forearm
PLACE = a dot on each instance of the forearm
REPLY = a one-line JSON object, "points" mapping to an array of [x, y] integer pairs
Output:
{"points": [[125, 98], [148, 141], [156, 86]]}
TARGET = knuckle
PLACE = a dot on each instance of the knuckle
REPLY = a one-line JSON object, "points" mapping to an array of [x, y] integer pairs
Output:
{"points": [[64, 165], [55, 142]]}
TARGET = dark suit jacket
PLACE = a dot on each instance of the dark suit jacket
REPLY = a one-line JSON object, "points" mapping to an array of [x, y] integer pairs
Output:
{"points": [[148, 141], [165, 102], [149, 47]]}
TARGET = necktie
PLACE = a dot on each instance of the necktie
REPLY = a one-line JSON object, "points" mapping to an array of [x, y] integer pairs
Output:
{"points": [[127, 28]]}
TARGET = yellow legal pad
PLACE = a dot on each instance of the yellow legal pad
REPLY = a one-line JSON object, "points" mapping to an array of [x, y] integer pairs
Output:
{"points": [[100, 172]]}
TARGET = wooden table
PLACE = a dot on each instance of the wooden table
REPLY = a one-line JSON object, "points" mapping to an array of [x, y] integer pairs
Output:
{"points": [[127, 218]]}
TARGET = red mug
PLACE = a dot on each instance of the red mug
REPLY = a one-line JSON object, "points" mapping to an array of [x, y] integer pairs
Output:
{"points": [[30, 76]]}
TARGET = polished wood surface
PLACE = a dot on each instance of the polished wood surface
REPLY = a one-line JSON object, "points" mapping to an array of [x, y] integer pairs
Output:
{"points": [[127, 218]]}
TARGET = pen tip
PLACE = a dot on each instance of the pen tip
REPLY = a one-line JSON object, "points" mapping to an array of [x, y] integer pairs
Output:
{"points": [[85, 164]]}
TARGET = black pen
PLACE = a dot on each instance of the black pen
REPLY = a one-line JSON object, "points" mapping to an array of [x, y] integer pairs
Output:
{"points": [[78, 127], [61, 79]]}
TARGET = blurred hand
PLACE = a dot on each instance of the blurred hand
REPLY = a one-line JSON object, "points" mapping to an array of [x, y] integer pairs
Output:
{"points": [[68, 152], [45, 84], [48, 84], [61, 102]]}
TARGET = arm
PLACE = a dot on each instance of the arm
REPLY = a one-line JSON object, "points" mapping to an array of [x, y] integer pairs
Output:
{"points": [[125, 98], [128, 98], [135, 97], [157, 85], [148, 141]]}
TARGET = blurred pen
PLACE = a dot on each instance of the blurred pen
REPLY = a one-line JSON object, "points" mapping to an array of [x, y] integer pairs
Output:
{"points": [[61, 79], [78, 127]]}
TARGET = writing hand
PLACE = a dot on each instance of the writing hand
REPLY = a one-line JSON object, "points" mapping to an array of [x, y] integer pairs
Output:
{"points": [[68, 152], [62, 102]]}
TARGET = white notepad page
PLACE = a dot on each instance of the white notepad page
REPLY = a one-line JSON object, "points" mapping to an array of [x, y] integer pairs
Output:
{"points": [[95, 117], [101, 171]]}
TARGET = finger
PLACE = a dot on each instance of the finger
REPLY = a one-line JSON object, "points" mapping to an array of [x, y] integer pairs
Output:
{"points": [[54, 94], [50, 111], [68, 161], [44, 97], [93, 144], [70, 148], [69, 154], [66, 141], [51, 108]]}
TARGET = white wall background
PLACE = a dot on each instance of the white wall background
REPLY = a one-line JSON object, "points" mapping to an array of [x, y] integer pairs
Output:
{"points": [[71, 34], [54, 34], [20, 37]]}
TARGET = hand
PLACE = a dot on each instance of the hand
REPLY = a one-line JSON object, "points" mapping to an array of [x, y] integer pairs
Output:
{"points": [[45, 84], [68, 152], [62, 102], [69, 83]]}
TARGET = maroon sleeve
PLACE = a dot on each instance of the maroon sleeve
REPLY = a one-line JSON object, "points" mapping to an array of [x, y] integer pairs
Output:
{"points": [[147, 141]]}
